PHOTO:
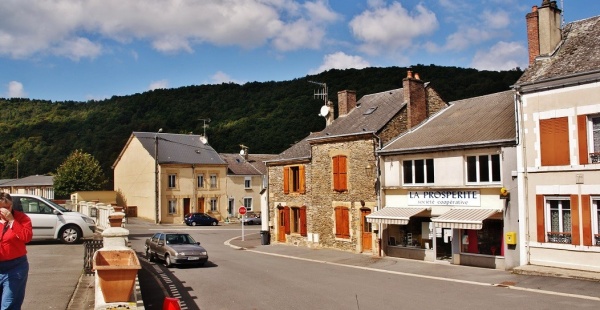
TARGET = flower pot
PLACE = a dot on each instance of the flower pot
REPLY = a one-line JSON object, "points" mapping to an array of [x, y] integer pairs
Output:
{"points": [[116, 272]]}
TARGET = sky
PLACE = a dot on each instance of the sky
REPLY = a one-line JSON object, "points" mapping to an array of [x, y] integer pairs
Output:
{"points": [[83, 50]]}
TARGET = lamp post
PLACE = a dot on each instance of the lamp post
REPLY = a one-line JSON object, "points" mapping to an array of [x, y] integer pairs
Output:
{"points": [[17, 168], [156, 209]]}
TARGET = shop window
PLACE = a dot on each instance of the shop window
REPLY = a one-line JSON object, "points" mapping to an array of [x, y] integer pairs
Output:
{"points": [[554, 141], [214, 206], [487, 240], [201, 181], [172, 206], [340, 173], [415, 234], [248, 203], [418, 171], [293, 179], [172, 180], [483, 169], [342, 223]]}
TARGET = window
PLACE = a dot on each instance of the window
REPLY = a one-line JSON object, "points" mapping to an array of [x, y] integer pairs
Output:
{"points": [[213, 204], [483, 168], [558, 227], [247, 182], [593, 135], [293, 179], [596, 221], [419, 171], [295, 220], [342, 223], [172, 180], [554, 141], [201, 181], [248, 203], [172, 206], [213, 181], [340, 173]]}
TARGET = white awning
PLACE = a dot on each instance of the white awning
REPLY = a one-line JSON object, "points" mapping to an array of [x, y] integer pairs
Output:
{"points": [[471, 218], [393, 215]]}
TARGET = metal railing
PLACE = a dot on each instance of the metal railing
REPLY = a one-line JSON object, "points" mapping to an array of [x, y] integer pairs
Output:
{"points": [[89, 248], [559, 237]]}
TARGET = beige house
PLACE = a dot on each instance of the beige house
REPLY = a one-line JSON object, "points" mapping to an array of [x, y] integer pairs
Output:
{"points": [[169, 175], [40, 185], [246, 181], [558, 100], [322, 188]]}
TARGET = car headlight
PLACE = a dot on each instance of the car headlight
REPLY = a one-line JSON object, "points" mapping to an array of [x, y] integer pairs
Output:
{"points": [[204, 253], [88, 220]]}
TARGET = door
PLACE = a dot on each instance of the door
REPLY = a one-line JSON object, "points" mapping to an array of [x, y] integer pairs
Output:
{"points": [[200, 205], [281, 230], [186, 206], [367, 231]]}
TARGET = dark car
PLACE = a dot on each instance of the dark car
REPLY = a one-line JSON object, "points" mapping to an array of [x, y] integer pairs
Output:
{"points": [[251, 218], [175, 249], [199, 218]]}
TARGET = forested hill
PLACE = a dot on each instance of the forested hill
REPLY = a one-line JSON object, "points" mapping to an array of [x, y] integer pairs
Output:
{"points": [[265, 116]]}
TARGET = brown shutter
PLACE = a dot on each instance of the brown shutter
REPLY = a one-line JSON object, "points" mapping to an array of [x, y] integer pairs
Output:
{"points": [[303, 221], [302, 178], [338, 221], [336, 172], [286, 180], [582, 137], [286, 214], [343, 174], [539, 214], [554, 141], [345, 223], [586, 219], [575, 236]]}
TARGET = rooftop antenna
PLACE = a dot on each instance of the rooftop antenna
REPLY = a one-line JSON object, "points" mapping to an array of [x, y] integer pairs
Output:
{"points": [[320, 93], [205, 121], [327, 108], [562, 14]]}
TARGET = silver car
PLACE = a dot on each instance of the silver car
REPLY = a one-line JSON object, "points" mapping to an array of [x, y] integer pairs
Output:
{"points": [[175, 249]]}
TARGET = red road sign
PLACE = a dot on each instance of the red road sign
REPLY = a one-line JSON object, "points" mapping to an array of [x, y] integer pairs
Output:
{"points": [[242, 210]]}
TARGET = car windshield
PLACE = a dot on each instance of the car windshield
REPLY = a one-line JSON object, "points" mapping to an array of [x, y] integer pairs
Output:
{"points": [[57, 206], [180, 239]]}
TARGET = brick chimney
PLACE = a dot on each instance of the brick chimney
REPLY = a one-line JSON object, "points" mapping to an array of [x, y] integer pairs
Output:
{"points": [[346, 101], [416, 99], [543, 29]]}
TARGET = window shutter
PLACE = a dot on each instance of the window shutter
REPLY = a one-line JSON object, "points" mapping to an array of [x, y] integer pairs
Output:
{"points": [[586, 219], [343, 174], [539, 213], [303, 221], [582, 137], [336, 173], [302, 180], [286, 180], [345, 223], [286, 214], [575, 236], [554, 141]]}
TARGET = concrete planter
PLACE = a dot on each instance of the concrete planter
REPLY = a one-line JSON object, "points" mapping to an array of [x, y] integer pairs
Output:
{"points": [[116, 271]]}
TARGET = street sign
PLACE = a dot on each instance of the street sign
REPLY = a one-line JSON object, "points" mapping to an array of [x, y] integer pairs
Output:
{"points": [[242, 210]]}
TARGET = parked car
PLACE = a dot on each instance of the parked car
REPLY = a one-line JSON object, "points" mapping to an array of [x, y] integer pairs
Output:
{"points": [[199, 218], [175, 249], [251, 218], [52, 221]]}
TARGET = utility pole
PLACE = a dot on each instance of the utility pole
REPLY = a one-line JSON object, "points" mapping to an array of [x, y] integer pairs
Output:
{"points": [[156, 180]]}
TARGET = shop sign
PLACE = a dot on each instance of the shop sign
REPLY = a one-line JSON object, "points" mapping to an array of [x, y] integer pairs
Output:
{"points": [[464, 198]]}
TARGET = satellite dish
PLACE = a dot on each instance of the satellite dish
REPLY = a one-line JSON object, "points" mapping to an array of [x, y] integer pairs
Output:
{"points": [[242, 152], [203, 139], [324, 110]]}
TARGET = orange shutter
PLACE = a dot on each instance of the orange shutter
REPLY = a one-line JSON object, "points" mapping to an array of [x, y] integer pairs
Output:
{"points": [[586, 218], [554, 141], [343, 174], [539, 213], [345, 223], [303, 221], [302, 179], [336, 173], [286, 214], [286, 180], [582, 137], [338, 220], [575, 237], [342, 227]]}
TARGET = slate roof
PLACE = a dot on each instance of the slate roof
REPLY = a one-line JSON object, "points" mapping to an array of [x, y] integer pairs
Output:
{"points": [[578, 54], [254, 165], [32, 180], [179, 148], [474, 122]]}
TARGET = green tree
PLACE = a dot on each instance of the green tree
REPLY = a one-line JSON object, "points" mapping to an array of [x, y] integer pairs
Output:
{"points": [[79, 172]]}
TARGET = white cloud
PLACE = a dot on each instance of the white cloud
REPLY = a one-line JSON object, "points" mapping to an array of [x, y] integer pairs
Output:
{"points": [[78, 29], [161, 84], [501, 56], [496, 20], [466, 37], [221, 77], [16, 90], [340, 60], [392, 27]]}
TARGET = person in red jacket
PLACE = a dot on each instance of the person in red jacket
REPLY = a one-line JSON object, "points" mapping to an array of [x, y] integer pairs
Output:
{"points": [[14, 267]]}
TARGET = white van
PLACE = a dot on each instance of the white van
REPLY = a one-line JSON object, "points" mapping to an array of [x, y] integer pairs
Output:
{"points": [[52, 221]]}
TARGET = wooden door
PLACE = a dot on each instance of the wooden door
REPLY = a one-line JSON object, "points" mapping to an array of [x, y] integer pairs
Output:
{"points": [[367, 231], [200, 205], [281, 230], [186, 206]]}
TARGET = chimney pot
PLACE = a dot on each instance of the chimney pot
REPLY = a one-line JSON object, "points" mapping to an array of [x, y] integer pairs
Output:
{"points": [[534, 8], [417, 76], [409, 74]]}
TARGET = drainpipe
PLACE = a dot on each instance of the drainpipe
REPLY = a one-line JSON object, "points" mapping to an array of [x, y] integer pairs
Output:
{"points": [[522, 181], [377, 146]]}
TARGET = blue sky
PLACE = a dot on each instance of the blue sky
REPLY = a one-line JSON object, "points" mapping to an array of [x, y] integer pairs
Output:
{"points": [[91, 50]]}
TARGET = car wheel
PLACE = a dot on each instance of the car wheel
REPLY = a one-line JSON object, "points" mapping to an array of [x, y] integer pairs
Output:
{"points": [[194, 223], [214, 223], [69, 235], [168, 262]]}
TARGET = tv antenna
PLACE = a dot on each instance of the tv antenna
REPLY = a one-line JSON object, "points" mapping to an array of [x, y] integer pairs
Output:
{"points": [[327, 108], [205, 122], [320, 93]]}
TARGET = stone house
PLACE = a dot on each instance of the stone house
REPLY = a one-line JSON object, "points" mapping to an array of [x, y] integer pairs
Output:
{"points": [[558, 101], [322, 188], [169, 175]]}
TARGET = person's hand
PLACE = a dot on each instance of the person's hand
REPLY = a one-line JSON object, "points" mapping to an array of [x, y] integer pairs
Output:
{"points": [[6, 215]]}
